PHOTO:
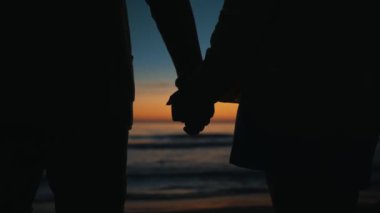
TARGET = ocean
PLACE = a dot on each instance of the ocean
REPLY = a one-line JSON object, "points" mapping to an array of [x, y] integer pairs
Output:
{"points": [[164, 163]]}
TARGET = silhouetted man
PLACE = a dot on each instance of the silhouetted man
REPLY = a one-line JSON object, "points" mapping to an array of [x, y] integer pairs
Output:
{"points": [[309, 113], [66, 95]]}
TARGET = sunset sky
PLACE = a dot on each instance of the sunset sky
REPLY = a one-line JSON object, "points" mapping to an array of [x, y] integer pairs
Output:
{"points": [[154, 72]]}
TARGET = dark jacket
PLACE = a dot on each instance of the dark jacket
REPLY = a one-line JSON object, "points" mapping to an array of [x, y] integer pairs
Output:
{"points": [[66, 63], [309, 88], [298, 68]]}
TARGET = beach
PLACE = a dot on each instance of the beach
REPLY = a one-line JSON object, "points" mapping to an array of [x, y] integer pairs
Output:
{"points": [[257, 203], [170, 172]]}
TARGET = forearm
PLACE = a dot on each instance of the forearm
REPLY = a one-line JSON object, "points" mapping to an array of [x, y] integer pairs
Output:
{"points": [[175, 21]]}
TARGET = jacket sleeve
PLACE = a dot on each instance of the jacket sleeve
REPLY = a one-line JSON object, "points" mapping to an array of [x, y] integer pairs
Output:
{"points": [[175, 21], [232, 45]]}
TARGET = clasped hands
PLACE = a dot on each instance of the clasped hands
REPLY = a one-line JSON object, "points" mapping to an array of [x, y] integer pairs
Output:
{"points": [[190, 108]]}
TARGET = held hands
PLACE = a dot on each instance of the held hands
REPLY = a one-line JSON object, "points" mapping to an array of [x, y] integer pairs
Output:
{"points": [[192, 111]]}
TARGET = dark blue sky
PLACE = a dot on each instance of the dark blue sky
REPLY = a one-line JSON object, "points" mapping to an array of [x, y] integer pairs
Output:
{"points": [[151, 60], [154, 72]]}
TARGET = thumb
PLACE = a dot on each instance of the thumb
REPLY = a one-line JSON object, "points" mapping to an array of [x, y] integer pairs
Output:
{"points": [[169, 102]]}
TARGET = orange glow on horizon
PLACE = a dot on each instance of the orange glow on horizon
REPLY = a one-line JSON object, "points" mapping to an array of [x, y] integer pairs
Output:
{"points": [[225, 112], [154, 108]]}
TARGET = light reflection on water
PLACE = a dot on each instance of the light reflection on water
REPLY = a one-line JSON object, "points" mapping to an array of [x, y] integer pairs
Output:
{"points": [[170, 128]]}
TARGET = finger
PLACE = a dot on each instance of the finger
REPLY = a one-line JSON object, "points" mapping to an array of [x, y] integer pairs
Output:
{"points": [[192, 131], [177, 114], [170, 101], [193, 128]]}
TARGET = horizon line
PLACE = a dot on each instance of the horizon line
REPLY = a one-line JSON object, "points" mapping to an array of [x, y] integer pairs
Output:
{"points": [[169, 121]]}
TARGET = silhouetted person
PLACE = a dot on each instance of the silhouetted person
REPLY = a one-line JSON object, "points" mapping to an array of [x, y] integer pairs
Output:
{"points": [[309, 113], [66, 98]]}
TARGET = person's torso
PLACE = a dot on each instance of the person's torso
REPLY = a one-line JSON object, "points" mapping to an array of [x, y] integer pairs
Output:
{"points": [[311, 63], [61, 59]]}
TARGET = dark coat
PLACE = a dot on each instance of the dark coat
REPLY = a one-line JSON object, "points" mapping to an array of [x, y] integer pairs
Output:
{"points": [[309, 87], [66, 63]]}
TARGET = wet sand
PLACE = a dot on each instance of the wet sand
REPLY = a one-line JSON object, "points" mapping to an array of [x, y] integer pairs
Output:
{"points": [[257, 203]]}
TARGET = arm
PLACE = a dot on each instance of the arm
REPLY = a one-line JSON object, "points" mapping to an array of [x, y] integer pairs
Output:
{"points": [[175, 21], [233, 45], [176, 24]]}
